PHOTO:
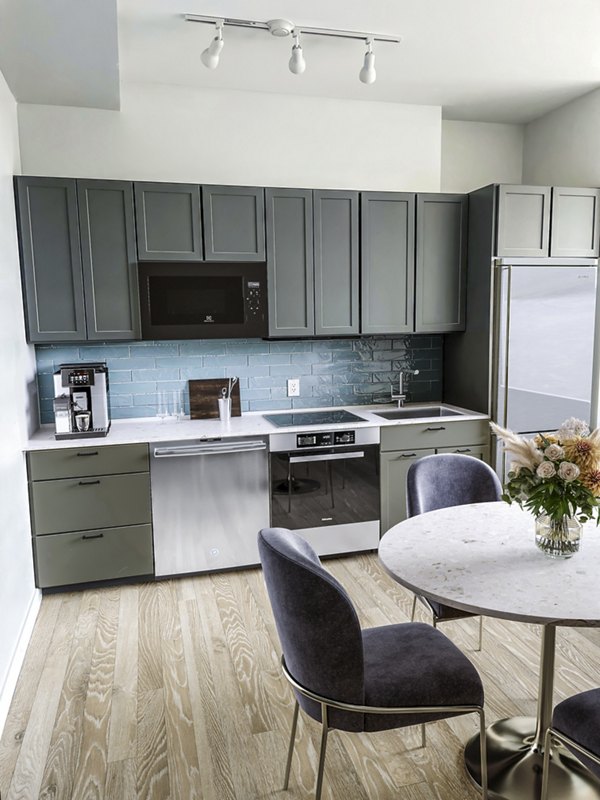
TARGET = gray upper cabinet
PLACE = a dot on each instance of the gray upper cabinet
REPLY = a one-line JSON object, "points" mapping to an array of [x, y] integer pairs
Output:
{"points": [[51, 259], [574, 226], [168, 221], [233, 218], [523, 228], [388, 262], [441, 254], [109, 259], [336, 262], [289, 220]]}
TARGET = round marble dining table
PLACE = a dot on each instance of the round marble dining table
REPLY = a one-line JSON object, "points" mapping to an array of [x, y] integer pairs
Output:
{"points": [[482, 558]]}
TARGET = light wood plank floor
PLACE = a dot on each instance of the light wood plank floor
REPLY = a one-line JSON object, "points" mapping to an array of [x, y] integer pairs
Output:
{"points": [[173, 690]]}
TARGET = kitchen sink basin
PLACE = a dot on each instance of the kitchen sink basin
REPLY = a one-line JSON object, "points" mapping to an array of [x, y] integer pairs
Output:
{"points": [[418, 412]]}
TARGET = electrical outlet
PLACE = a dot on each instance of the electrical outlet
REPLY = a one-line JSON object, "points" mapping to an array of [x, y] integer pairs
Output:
{"points": [[293, 387]]}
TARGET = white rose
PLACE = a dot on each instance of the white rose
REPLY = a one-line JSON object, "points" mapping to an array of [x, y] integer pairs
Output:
{"points": [[554, 452], [568, 471], [546, 470]]}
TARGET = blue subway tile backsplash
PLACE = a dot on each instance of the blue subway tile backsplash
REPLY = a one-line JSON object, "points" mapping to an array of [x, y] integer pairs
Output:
{"points": [[332, 372]]}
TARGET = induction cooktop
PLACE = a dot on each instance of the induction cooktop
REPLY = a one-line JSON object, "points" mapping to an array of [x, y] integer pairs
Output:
{"points": [[301, 418]]}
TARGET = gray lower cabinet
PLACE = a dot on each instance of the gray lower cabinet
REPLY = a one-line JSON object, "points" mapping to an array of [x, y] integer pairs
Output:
{"points": [[78, 259], [441, 263], [50, 259], [91, 514], [234, 223], [290, 270], [523, 226], [402, 445], [574, 228], [387, 262], [312, 262], [107, 229], [168, 221], [335, 215]]}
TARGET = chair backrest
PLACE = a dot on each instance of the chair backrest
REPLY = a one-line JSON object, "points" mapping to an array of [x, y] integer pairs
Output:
{"points": [[317, 624], [449, 479]]}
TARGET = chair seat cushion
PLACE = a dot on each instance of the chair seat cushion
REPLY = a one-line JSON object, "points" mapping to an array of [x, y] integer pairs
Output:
{"points": [[413, 664], [443, 612], [578, 717]]}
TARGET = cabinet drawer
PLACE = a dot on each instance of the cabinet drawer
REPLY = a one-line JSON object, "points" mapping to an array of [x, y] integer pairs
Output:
{"points": [[94, 555], [75, 462], [78, 505], [437, 433]]}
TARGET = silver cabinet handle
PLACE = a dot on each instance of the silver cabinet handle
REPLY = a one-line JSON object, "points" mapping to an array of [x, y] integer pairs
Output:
{"points": [[208, 450], [326, 457]]}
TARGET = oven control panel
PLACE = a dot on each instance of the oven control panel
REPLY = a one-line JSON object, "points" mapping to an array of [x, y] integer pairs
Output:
{"points": [[326, 439]]}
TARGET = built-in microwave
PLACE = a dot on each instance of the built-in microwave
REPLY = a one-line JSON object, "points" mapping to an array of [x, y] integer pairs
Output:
{"points": [[202, 300]]}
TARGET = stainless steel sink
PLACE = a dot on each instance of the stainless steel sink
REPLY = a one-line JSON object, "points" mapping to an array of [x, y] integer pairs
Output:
{"points": [[418, 412]]}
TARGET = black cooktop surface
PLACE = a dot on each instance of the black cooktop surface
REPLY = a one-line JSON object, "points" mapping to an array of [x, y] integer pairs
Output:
{"points": [[312, 418]]}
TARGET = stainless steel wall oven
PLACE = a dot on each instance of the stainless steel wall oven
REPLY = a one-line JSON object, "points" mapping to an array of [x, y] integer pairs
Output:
{"points": [[325, 486]]}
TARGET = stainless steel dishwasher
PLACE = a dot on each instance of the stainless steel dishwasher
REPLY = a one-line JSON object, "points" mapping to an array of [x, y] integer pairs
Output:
{"points": [[209, 500]]}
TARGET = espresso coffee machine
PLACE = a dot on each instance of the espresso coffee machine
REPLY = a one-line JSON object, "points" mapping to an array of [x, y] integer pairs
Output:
{"points": [[81, 401]]}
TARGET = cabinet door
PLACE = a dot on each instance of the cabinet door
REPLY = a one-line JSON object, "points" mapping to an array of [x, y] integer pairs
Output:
{"points": [[107, 229], [234, 223], [574, 225], [523, 221], [388, 262], [394, 468], [481, 451], [336, 262], [441, 268], [168, 221], [290, 262], [50, 259]]}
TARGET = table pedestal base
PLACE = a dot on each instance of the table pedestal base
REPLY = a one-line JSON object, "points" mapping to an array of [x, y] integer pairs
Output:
{"points": [[515, 765]]}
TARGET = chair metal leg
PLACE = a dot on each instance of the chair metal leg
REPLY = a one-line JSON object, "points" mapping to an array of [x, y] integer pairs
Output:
{"points": [[423, 735], [480, 633], [483, 756], [546, 765], [288, 766], [414, 608], [324, 731]]}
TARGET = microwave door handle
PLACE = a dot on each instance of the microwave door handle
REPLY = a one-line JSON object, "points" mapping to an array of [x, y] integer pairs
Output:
{"points": [[326, 457]]}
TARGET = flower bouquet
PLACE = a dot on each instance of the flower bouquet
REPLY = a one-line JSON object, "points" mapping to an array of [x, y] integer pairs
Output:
{"points": [[556, 476]]}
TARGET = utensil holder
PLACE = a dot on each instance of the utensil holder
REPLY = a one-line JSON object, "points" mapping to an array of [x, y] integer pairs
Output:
{"points": [[224, 408]]}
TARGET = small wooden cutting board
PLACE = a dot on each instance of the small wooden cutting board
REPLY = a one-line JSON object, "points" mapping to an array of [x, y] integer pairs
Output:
{"points": [[204, 395]]}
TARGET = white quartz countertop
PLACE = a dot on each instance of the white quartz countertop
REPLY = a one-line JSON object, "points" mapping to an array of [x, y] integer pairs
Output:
{"points": [[151, 429]]}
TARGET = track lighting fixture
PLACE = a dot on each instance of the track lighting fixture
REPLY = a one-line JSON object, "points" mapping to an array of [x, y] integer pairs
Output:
{"points": [[210, 56], [297, 64], [367, 73], [282, 28]]}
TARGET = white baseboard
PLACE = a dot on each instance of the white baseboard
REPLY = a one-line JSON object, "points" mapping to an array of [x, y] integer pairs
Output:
{"points": [[8, 689]]}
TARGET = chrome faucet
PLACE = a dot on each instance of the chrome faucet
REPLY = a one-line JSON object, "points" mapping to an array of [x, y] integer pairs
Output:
{"points": [[401, 396]]}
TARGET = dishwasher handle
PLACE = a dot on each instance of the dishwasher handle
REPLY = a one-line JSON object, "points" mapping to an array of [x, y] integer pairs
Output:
{"points": [[326, 457], [209, 449]]}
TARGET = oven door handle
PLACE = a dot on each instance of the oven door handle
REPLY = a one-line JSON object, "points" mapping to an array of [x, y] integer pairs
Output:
{"points": [[326, 457]]}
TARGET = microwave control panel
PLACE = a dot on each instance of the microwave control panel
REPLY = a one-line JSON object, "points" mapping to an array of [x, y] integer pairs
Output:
{"points": [[325, 439], [254, 299]]}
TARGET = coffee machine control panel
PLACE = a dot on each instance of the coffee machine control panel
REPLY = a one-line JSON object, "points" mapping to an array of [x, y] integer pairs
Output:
{"points": [[75, 378]]}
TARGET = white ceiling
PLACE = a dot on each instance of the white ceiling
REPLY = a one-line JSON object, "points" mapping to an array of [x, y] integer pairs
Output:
{"points": [[488, 60]]}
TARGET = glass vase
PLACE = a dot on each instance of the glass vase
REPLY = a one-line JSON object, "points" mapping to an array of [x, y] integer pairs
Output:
{"points": [[557, 538]]}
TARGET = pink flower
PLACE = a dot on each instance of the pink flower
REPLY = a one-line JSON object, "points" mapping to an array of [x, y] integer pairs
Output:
{"points": [[554, 452], [546, 470], [568, 471]]}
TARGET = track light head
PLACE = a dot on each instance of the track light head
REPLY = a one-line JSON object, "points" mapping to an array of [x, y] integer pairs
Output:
{"points": [[367, 73], [210, 56], [297, 64]]}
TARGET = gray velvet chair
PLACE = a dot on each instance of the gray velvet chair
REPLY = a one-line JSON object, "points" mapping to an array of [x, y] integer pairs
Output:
{"points": [[440, 481], [352, 679], [575, 723]]}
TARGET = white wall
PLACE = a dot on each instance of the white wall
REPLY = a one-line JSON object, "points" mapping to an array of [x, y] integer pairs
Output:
{"points": [[18, 596], [477, 153], [179, 134], [562, 148]]}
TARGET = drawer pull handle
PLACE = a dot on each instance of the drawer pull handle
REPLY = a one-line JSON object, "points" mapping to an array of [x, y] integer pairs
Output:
{"points": [[93, 453], [88, 483], [92, 536], [439, 428], [408, 455], [464, 450]]}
